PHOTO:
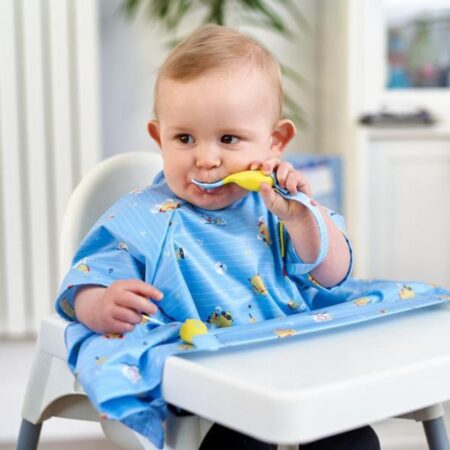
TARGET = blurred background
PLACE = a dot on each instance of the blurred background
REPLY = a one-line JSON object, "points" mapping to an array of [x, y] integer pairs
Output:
{"points": [[366, 81]]}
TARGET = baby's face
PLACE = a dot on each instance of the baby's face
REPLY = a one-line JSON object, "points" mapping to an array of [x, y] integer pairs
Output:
{"points": [[211, 127]]}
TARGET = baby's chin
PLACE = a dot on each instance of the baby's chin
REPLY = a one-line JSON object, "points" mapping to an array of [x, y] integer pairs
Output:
{"points": [[224, 198]]}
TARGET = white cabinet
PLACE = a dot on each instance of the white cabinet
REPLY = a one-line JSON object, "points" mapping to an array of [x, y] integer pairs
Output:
{"points": [[402, 210]]}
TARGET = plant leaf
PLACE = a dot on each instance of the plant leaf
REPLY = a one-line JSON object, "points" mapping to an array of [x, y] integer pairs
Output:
{"points": [[292, 74], [295, 12], [129, 7], [272, 19], [293, 111], [216, 12], [168, 12]]}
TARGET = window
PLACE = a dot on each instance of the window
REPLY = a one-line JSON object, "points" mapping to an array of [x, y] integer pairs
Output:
{"points": [[417, 44]]}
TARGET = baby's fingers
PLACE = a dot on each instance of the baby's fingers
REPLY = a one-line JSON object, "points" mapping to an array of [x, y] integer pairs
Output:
{"points": [[296, 182], [284, 170], [255, 165], [127, 315], [117, 326], [269, 165], [142, 288], [137, 303], [274, 202]]}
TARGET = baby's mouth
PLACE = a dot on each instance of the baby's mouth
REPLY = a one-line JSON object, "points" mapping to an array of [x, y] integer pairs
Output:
{"points": [[209, 191], [206, 185]]}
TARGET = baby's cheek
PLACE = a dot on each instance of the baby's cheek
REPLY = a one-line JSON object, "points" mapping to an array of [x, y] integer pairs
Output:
{"points": [[239, 164]]}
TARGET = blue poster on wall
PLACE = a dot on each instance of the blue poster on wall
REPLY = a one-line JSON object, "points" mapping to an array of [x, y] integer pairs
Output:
{"points": [[324, 173]]}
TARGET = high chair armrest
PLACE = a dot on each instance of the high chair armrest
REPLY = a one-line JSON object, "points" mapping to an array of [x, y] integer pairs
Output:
{"points": [[51, 336]]}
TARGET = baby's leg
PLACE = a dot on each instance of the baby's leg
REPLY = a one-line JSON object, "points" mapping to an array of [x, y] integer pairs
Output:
{"points": [[222, 438], [361, 439]]}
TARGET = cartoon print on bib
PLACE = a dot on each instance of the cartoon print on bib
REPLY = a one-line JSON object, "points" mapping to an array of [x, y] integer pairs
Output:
{"points": [[220, 318], [168, 205], [406, 292], [82, 266], [258, 285], [263, 232]]}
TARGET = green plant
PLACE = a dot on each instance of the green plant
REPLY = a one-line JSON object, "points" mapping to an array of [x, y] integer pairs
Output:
{"points": [[170, 13]]}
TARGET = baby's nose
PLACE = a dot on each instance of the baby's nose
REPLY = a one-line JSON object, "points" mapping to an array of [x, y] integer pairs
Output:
{"points": [[207, 157]]}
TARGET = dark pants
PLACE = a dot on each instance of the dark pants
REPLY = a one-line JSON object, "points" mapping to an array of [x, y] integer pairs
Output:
{"points": [[221, 438]]}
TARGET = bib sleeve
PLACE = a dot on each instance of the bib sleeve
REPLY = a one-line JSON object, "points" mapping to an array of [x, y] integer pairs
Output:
{"points": [[301, 272], [102, 259], [124, 244]]}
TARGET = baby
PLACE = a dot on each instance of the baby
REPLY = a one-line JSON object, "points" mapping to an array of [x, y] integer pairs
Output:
{"points": [[225, 256], [218, 103]]}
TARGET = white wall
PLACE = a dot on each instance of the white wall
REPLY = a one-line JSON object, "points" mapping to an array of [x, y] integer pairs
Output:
{"points": [[352, 70], [132, 51], [352, 78]]}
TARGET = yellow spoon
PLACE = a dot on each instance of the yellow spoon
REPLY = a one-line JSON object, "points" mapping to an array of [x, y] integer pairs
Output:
{"points": [[248, 179]]}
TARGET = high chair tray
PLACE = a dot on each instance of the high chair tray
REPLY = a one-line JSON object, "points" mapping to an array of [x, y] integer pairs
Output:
{"points": [[324, 382]]}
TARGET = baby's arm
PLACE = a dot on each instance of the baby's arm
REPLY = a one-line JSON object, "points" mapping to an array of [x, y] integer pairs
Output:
{"points": [[301, 226], [117, 308], [305, 239]]}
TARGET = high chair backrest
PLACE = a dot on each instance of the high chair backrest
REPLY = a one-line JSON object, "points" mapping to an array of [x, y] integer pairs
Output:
{"points": [[97, 191]]}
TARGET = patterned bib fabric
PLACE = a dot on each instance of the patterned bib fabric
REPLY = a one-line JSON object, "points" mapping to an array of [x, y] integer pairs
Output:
{"points": [[234, 269]]}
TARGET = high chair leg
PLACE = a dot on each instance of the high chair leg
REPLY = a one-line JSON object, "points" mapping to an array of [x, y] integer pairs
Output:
{"points": [[432, 418], [436, 434], [28, 435], [183, 433]]}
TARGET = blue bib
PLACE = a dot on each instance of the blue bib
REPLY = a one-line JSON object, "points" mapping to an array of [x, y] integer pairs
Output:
{"points": [[235, 269]]}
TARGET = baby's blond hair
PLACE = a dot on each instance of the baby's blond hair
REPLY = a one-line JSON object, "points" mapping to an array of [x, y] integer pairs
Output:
{"points": [[213, 48]]}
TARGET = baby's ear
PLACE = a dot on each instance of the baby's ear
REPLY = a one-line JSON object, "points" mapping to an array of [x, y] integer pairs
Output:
{"points": [[282, 134], [154, 132]]}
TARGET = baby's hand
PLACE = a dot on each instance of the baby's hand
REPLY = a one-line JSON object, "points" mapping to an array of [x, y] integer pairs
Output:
{"points": [[288, 178], [117, 308]]}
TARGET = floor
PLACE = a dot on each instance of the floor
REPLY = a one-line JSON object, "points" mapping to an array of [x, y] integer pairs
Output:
{"points": [[75, 445], [57, 434], [393, 434]]}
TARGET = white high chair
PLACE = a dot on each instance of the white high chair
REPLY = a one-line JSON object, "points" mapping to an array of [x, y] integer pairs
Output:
{"points": [[278, 398], [52, 389]]}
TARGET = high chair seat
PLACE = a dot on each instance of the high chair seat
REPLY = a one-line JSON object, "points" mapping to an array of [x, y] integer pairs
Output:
{"points": [[296, 390], [52, 390]]}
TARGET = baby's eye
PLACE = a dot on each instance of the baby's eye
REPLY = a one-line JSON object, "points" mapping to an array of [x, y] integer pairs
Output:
{"points": [[229, 139], [185, 138]]}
